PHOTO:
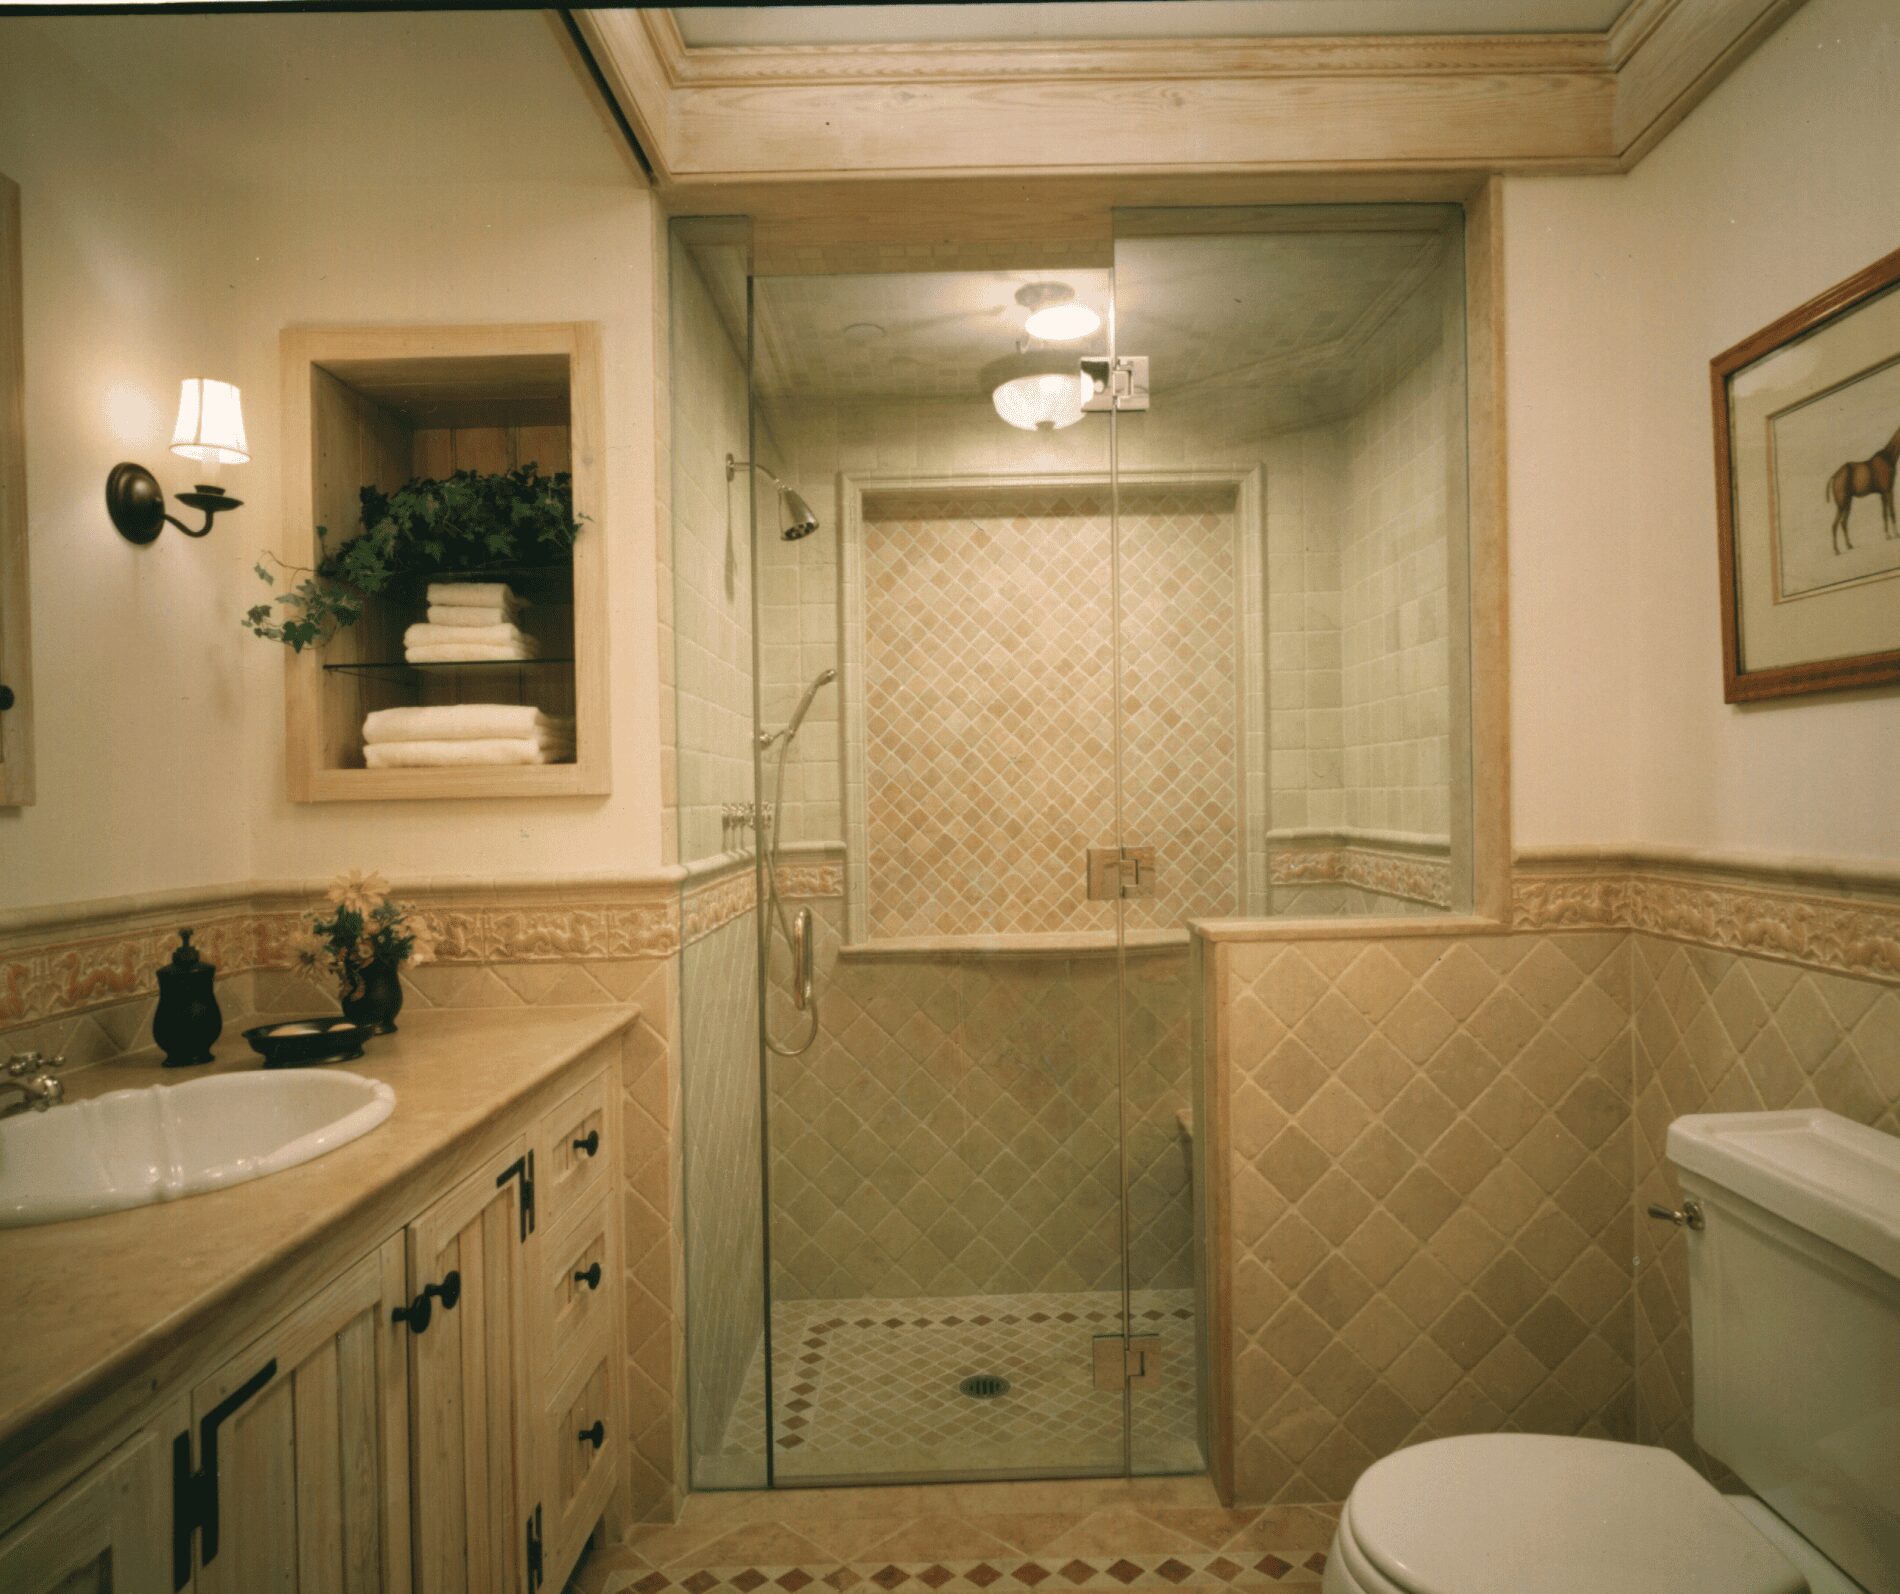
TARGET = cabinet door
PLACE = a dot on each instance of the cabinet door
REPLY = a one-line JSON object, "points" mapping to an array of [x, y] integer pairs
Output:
{"points": [[107, 1533], [312, 1463], [466, 1373]]}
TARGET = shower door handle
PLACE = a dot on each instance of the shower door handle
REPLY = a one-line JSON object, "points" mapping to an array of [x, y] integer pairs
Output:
{"points": [[801, 959]]}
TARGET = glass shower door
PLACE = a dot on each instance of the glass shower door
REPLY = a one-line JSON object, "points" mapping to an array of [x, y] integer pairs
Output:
{"points": [[944, 1210]]}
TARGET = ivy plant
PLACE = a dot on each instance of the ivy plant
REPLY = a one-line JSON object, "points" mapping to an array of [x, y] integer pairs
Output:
{"points": [[468, 521]]}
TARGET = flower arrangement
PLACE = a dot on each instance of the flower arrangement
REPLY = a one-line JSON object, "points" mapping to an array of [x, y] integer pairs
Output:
{"points": [[361, 941]]}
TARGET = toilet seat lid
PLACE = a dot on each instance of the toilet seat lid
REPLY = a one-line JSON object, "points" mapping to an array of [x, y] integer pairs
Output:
{"points": [[1533, 1514]]}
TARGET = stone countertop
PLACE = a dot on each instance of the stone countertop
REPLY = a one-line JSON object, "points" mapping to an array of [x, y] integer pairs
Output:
{"points": [[91, 1301]]}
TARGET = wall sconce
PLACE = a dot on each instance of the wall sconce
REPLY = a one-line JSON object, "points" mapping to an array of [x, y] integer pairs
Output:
{"points": [[211, 429]]}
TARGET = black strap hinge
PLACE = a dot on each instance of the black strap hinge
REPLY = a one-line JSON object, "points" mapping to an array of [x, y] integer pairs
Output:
{"points": [[536, 1573], [195, 1494], [521, 1168]]}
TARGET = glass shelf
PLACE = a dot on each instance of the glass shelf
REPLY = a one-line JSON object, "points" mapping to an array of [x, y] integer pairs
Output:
{"points": [[385, 669]]}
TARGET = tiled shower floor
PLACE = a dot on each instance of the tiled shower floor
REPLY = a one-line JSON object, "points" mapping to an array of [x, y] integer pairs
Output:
{"points": [[868, 1389]]}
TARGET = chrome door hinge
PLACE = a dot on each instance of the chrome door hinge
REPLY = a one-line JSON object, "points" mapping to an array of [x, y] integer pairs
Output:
{"points": [[1135, 1361], [1120, 384], [1116, 872]]}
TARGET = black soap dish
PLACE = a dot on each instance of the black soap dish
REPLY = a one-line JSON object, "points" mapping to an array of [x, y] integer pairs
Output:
{"points": [[300, 1042]]}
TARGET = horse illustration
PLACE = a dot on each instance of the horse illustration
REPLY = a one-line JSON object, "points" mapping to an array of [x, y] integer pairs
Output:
{"points": [[1865, 478]]}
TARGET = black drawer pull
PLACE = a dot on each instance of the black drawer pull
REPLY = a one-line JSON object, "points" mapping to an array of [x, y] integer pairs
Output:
{"points": [[596, 1435], [589, 1142], [417, 1313], [6, 698], [590, 1276]]}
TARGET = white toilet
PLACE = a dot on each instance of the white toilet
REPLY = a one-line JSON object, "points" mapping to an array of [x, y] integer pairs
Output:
{"points": [[1794, 1291]]}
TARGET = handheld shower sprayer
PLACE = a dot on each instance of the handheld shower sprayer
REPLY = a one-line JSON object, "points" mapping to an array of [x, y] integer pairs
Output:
{"points": [[799, 520], [797, 930]]}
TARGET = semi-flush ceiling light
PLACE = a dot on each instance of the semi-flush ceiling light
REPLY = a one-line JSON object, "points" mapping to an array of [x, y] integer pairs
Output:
{"points": [[1054, 315], [1039, 391]]}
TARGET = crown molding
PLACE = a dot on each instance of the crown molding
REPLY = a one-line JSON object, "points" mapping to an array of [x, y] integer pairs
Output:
{"points": [[711, 117]]}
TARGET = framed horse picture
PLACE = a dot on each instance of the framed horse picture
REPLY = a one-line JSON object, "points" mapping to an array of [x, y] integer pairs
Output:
{"points": [[1807, 440]]}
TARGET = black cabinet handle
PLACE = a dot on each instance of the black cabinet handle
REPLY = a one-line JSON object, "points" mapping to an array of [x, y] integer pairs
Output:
{"points": [[6, 698], [590, 1276], [596, 1435], [417, 1313], [589, 1142]]}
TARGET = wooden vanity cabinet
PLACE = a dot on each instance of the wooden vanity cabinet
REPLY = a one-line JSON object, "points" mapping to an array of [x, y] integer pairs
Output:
{"points": [[468, 1384], [300, 1452], [106, 1533], [444, 1416]]}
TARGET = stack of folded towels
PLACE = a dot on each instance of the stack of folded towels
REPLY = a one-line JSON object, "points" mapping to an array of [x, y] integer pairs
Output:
{"points": [[470, 622], [448, 734]]}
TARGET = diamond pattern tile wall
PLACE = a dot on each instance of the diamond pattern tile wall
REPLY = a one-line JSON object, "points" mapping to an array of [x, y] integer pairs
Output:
{"points": [[989, 709], [1718, 1031], [1429, 1197]]}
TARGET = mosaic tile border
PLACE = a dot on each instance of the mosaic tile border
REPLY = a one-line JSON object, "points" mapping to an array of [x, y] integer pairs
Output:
{"points": [[998, 1574]]}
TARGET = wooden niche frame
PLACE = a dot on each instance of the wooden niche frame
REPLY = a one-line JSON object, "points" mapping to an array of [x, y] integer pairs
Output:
{"points": [[378, 405], [1838, 489]]}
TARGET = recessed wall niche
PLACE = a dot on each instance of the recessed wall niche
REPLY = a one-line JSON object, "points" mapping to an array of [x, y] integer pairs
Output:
{"points": [[376, 406]]}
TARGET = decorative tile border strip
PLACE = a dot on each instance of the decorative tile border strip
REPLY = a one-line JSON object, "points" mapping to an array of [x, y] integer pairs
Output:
{"points": [[811, 879], [1390, 872], [1775, 911], [717, 903], [45, 974], [1001, 1574]]}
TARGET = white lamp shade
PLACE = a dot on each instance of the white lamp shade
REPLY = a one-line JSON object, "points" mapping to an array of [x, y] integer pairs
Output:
{"points": [[210, 423], [1038, 391]]}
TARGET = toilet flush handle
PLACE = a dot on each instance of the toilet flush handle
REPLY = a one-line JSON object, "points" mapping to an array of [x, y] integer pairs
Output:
{"points": [[1690, 1217]]}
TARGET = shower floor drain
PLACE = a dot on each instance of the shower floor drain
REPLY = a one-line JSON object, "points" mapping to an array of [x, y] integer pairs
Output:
{"points": [[984, 1386]]}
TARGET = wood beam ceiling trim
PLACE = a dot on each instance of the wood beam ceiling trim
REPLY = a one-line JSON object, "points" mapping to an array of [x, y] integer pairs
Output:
{"points": [[932, 112]]}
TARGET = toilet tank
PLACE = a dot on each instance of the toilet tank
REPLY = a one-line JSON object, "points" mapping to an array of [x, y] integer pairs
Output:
{"points": [[1794, 1312]]}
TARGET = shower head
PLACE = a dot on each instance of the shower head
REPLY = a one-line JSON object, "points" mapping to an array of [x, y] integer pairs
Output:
{"points": [[802, 521]]}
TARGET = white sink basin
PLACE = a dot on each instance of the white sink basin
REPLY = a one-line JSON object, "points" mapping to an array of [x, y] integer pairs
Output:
{"points": [[134, 1147]]}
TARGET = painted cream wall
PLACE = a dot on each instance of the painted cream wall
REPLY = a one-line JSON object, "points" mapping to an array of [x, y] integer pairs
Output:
{"points": [[1621, 290], [137, 671], [352, 169]]}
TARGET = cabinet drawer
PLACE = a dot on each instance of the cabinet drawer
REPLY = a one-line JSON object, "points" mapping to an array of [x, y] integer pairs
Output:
{"points": [[574, 1152], [579, 1286], [579, 1473]]}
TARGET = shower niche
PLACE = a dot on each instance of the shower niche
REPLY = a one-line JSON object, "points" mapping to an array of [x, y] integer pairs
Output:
{"points": [[377, 406]]}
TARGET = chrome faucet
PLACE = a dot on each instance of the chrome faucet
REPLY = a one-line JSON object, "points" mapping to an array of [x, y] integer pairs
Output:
{"points": [[32, 1076]]}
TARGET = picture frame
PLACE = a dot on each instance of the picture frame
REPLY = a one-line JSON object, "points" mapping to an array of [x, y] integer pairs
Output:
{"points": [[1807, 460]]}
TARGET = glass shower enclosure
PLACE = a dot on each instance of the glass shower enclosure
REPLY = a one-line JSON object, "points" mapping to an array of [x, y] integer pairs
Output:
{"points": [[1028, 604]]}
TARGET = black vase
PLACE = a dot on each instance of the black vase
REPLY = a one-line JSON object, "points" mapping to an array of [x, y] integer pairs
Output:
{"points": [[375, 998]]}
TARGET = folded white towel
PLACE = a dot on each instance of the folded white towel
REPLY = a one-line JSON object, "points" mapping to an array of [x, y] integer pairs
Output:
{"points": [[472, 653], [462, 722], [447, 755], [462, 615], [476, 595], [487, 636]]}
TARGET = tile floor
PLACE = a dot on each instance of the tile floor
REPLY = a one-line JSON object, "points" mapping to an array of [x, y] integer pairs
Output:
{"points": [[867, 1391], [1092, 1536]]}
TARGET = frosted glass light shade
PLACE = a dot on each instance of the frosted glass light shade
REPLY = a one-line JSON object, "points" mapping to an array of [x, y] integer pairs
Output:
{"points": [[210, 423], [1062, 323], [1038, 392]]}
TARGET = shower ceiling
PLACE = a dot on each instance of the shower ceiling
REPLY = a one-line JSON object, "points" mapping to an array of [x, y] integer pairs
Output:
{"points": [[1288, 355]]}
